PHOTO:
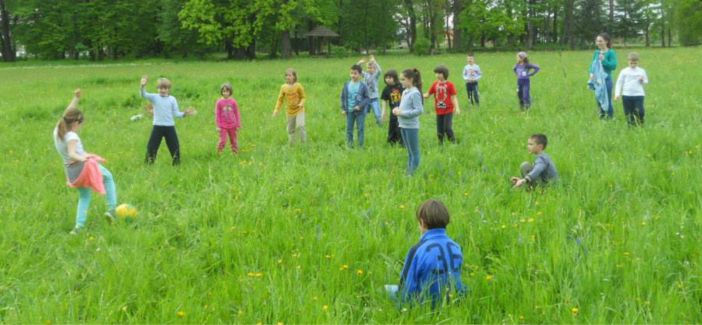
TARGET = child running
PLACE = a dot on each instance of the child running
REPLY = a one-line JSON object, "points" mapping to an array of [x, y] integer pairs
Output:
{"points": [[392, 94], [294, 93], [524, 70], [630, 87], [471, 75], [227, 118], [84, 171], [445, 102], [411, 107], [165, 110]]}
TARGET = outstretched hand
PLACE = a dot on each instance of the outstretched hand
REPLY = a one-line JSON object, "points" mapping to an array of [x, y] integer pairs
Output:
{"points": [[190, 111], [144, 80], [76, 93]]}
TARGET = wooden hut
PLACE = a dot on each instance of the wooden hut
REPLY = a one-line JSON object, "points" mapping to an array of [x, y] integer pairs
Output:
{"points": [[318, 36]]}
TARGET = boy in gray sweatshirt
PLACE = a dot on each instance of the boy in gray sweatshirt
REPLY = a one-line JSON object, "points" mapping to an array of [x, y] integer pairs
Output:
{"points": [[543, 171]]}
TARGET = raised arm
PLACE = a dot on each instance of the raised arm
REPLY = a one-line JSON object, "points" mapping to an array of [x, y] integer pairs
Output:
{"points": [[74, 102]]}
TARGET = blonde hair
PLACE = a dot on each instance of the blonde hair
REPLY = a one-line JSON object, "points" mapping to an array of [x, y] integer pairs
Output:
{"points": [[164, 83], [633, 56], [70, 116], [292, 72]]}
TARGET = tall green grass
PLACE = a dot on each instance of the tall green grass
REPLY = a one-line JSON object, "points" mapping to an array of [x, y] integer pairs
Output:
{"points": [[310, 234]]}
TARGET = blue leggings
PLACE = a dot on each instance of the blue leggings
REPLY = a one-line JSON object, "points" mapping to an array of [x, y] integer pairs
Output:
{"points": [[85, 193]]}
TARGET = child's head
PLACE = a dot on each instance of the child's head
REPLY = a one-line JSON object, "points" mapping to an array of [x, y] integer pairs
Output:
{"points": [[226, 89], [164, 86], [71, 120], [371, 67], [537, 143], [603, 41], [391, 78], [633, 59], [432, 214], [470, 58], [411, 78], [290, 76], [356, 71], [522, 57], [441, 72]]}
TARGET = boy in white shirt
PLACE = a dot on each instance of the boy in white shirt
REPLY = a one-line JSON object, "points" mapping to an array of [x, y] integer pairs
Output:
{"points": [[630, 87]]}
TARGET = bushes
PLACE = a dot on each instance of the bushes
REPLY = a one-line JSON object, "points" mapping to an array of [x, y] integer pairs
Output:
{"points": [[422, 46]]}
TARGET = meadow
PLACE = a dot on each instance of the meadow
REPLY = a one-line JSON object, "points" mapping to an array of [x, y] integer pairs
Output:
{"points": [[310, 234]]}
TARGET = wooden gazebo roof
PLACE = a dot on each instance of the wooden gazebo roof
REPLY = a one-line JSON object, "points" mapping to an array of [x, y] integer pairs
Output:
{"points": [[321, 31]]}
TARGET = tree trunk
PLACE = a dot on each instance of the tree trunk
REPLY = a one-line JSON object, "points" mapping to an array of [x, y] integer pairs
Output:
{"points": [[646, 36], [554, 31], [412, 31], [568, 25], [8, 51], [458, 42], [610, 28], [286, 49]]}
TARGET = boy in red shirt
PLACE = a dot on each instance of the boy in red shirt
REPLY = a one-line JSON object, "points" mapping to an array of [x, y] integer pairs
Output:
{"points": [[445, 102]]}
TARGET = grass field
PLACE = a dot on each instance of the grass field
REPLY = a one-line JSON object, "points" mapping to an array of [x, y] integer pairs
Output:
{"points": [[311, 234]]}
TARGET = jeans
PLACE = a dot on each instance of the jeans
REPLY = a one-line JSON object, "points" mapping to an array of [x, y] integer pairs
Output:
{"points": [[473, 93], [444, 127], [375, 105], [607, 112], [634, 109], [84, 196], [523, 93], [231, 134], [358, 118], [411, 139], [157, 134]]}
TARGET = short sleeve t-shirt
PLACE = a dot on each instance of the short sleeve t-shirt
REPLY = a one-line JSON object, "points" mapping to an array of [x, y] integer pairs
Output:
{"points": [[392, 94], [62, 146], [442, 92]]}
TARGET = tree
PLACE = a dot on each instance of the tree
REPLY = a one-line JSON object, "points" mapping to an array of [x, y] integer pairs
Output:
{"points": [[8, 48], [688, 16]]}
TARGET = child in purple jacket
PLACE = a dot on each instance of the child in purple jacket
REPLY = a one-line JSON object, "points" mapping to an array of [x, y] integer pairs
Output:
{"points": [[524, 70], [227, 118]]}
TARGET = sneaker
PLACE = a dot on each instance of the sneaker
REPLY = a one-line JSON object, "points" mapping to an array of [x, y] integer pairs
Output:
{"points": [[76, 231], [110, 216]]}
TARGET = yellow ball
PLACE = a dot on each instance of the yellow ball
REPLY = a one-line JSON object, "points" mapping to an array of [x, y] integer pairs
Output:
{"points": [[126, 211]]}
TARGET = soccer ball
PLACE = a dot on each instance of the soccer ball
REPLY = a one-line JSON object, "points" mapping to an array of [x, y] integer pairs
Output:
{"points": [[126, 211]]}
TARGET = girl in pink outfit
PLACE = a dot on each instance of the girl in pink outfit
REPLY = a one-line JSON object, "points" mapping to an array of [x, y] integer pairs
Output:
{"points": [[227, 118]]}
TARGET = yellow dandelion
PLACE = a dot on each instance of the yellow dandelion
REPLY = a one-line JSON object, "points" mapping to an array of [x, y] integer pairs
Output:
{"points": [[574, 311], [465, 193], [402, 206], [530, 220], [344, 267], [359, 272], [180, 314], [124, 309], [328, 256], [314, 298], [325, 308], [627, 253], [255, 274], [503, 226], [521, 317], [279, 323], [489, 277]]}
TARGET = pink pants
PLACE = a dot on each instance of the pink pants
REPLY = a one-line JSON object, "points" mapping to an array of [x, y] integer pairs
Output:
{"points": [[223, 133]]}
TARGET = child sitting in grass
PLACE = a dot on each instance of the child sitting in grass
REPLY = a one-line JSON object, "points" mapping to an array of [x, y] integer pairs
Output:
{"points": [[433, 266], [543, 171]]}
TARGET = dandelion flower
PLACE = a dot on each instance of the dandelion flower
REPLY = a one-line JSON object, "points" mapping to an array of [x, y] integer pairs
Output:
{"points": [[344, 267], [180, 314], [574, 311], [359, 272], [325, 308], [489, 277]]}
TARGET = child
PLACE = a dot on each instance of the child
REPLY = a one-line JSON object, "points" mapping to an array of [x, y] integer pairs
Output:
{"points": [[445, 102], [227, 119], [392, 94], [543, 171], [293, 92], [630, 86], [81, 167], [370, 78], [471, 75], [432, 266], [524, 70], [354, 100], [411, 107], [165, 110]]}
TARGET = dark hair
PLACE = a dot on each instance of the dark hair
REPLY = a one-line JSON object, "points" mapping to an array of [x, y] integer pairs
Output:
{"points": [[415, 76], [605, 37], [442, 69], [226, 86], [70, 116], [357, 68], [433, 214], [540, 139], [392, 74]]}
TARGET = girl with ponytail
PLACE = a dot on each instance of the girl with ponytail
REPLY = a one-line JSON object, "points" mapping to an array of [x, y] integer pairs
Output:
{"points": [[83, 170], [411, 107]]}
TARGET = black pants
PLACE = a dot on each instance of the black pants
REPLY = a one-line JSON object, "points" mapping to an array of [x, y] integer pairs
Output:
{"points": [[444, 127], [394, 135], [473, 95], [634, 109], [157, 133]]}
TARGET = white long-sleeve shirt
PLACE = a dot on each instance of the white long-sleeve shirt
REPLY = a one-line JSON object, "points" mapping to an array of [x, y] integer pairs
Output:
{"points": [[165, 108], [471, 72], [630, 82]]}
